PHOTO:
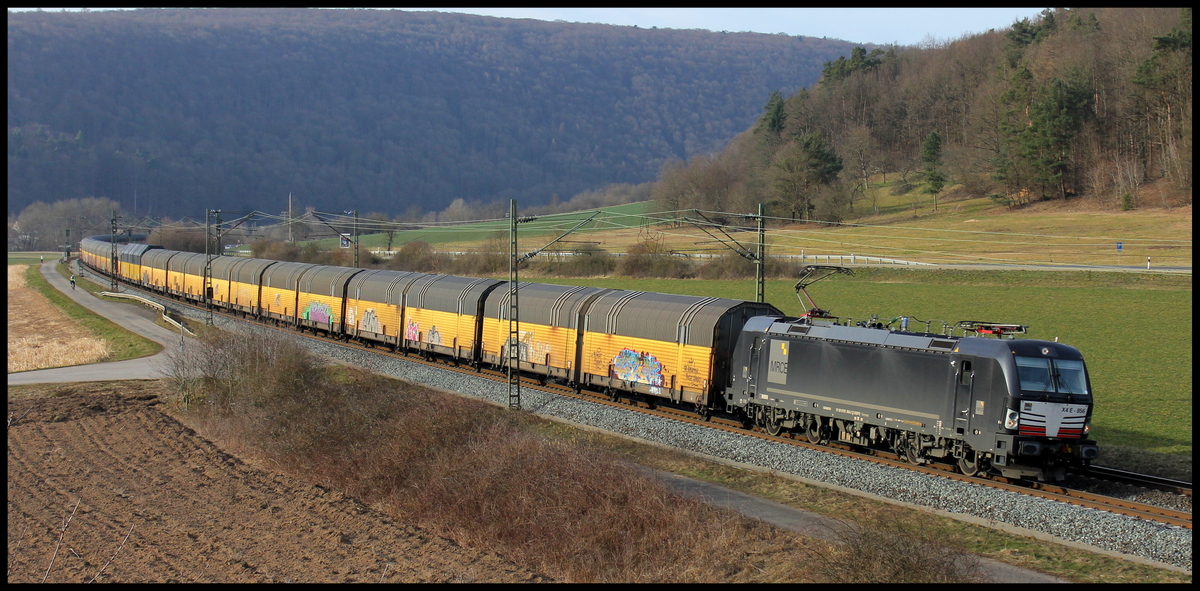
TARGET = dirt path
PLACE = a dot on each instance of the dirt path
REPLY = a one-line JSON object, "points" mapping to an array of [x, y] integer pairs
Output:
{"points": [[197, 514]]}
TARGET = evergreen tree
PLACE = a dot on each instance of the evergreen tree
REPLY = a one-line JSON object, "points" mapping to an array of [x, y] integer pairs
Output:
{"points": [[773, 116], [810, 162], [931, 156], [1056, 116]]}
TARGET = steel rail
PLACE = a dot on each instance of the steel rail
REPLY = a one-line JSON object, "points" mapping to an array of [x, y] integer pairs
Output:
{"points": [[1178, 487]]}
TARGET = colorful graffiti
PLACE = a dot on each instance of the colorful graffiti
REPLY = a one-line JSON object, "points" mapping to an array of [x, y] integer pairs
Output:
{"points": [[641, 368], [412, 332], [318, 312]]}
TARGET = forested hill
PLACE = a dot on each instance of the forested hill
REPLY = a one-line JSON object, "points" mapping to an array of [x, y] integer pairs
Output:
{"points": [[1081, 102], [174, 111]]}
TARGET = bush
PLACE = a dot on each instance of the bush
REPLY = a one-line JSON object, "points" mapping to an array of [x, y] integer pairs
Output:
{"points": [[647, 259], [1002, 200], [1126, 201], [587, 262], [729, 266], [890, 551], [461, 468], [655, 265], [418, 256]]}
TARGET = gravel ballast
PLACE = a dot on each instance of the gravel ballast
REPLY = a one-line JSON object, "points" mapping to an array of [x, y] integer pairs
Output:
{"points": [[1107, 531]]}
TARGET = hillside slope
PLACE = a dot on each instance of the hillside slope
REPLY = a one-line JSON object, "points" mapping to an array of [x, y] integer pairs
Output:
{"points": [[171, 111]]}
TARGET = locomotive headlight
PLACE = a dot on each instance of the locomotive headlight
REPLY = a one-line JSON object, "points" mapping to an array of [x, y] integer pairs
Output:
{"points": [[1087, 427], [1012, 419]]}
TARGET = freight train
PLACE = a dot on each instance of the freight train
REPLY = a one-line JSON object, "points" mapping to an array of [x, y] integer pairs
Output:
{"points": [[1015, 407]]}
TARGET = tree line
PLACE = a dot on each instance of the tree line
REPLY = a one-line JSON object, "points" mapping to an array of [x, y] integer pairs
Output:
{"points": [[1084, 101]]}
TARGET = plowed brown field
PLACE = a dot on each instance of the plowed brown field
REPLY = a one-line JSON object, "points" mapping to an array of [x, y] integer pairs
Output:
{"points": [[192, 513]]}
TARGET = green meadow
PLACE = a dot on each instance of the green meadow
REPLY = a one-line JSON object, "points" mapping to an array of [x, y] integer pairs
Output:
{"points": [[469, 235], [1131, 328]]}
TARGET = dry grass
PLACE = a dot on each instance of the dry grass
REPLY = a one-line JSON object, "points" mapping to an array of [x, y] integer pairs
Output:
{"points": [[968, 230], [486, 477], [40, 336]]}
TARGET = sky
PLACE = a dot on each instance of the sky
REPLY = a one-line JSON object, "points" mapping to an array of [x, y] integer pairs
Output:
{"points": [[902, 26]]}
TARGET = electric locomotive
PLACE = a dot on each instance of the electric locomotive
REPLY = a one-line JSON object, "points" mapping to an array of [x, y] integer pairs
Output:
{"points": [[1017, 407]]}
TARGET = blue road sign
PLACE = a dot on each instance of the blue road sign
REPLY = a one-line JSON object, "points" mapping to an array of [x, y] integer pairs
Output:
{"points": [[1118, 247]]}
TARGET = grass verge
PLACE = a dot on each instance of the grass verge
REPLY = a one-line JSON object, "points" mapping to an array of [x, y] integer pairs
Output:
{"points": [[122, 343]]}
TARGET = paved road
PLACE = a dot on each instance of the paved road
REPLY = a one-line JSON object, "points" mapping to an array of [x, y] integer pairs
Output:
{"points": [[130, 317], [779, 515]]}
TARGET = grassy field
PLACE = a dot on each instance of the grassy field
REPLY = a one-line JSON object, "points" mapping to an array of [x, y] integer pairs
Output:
{"points": [[1128, 328], [466, 236], [962, 230], [32, 257], [122, 343], [40, 336]]}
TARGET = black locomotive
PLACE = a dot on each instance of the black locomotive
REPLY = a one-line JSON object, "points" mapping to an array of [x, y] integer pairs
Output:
{"points": [[1021, 408]]}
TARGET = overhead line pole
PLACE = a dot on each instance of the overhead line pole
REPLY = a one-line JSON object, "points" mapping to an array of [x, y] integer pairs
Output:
{"points": [[514, 325], [760, 259], [114, 264], [758, 256]]}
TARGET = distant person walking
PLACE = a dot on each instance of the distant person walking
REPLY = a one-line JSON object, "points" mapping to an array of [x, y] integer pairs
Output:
{"points": [[72, 282], [41, 258]]}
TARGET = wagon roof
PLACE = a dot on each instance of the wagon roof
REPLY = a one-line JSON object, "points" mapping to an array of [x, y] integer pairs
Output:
{"points": [[449, 293], [382, 285], [327, 280], [690, 320], [541, 303], [285, 275]]}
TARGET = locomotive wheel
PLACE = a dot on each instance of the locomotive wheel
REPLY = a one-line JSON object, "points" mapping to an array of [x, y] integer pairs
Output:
{"points": [[771, 426], [969, 463], [813, 433]]}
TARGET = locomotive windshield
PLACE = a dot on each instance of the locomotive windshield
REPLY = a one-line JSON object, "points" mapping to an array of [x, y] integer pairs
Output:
{"points": [[1052, 375]]}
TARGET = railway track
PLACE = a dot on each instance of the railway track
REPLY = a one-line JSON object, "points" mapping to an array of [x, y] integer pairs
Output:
{"points": [[1043, 490], [1178, 487]]}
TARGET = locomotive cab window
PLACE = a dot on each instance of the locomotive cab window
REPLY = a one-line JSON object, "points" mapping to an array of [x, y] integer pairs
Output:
{"points": [[1052, 375]]}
